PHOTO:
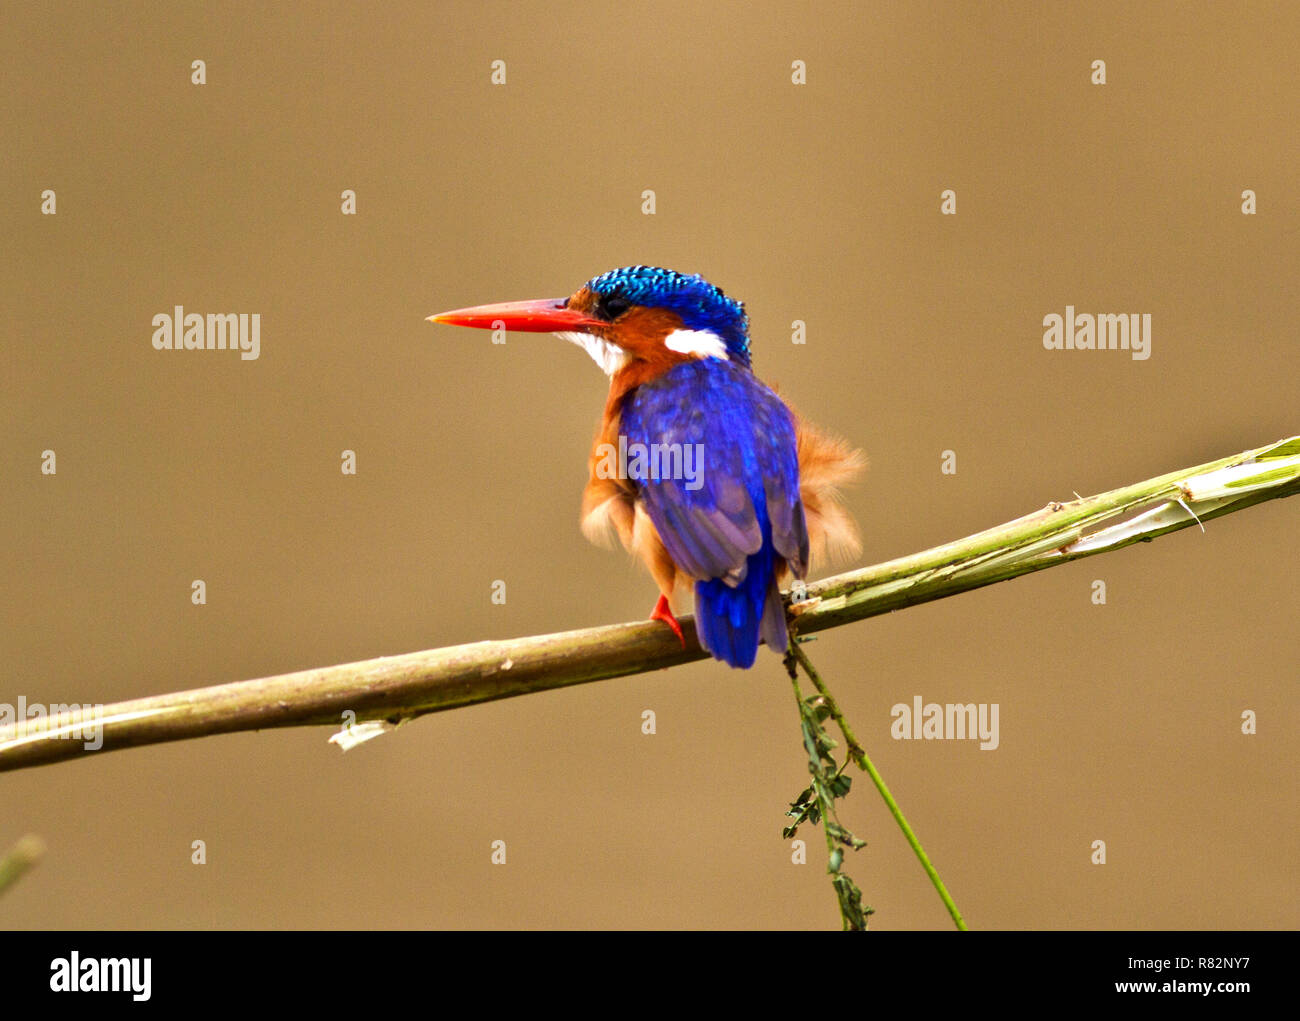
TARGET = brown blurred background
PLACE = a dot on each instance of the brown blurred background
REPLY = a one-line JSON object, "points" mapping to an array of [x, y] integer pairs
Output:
{"points": [[817, 202]]}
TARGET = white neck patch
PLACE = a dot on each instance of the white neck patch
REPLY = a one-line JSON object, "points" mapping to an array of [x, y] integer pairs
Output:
{"points": [[610, 357], [701, 343]]}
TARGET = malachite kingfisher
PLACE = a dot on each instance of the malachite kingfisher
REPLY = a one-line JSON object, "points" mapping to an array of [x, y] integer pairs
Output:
{"points": [[699, 468]]}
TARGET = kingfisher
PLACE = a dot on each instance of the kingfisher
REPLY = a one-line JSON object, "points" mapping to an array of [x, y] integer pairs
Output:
{"points": [[699, 468]]}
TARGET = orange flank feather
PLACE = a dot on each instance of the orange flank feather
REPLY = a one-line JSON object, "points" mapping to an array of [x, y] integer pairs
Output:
{"points": [[826, 464]]}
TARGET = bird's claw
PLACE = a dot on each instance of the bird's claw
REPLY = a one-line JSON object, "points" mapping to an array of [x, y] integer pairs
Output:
{"points": [[663, 612]]}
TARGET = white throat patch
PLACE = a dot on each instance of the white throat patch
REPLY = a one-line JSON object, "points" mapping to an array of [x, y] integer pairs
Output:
{"points": [[610, 357], [701, 343]]}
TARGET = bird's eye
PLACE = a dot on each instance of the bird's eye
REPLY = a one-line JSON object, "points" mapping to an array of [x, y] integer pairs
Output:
{"points": [[611, 306]]}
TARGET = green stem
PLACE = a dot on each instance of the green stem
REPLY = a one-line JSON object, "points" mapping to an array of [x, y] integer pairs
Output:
{"points": [[860, 756]]}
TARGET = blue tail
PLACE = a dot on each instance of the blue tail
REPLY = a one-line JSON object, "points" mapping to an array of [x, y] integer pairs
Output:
{"points": [[730, 621]]}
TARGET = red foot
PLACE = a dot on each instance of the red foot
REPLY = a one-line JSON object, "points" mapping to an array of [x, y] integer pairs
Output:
{"points": [[663, 612]]}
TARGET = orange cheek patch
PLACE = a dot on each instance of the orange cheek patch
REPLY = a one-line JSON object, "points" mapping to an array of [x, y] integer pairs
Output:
{"points": [[641, 333]]}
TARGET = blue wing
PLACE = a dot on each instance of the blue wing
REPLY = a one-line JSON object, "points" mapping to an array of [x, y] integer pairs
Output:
{"points": [[720, 483]]}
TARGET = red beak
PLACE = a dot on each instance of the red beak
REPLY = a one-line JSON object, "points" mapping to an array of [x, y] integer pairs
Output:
{"points": [[548, 315]]}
